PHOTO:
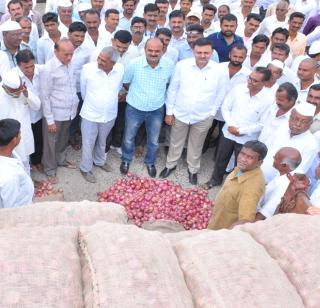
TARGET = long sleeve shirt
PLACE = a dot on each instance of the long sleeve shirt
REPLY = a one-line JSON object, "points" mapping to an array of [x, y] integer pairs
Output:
{"points": [[245, 112], [19, 109], [58, 91], [195, 94]]}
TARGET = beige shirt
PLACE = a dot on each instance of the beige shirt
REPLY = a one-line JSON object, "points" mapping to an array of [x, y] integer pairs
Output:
{"points": [[237, 199], [297, 45]]}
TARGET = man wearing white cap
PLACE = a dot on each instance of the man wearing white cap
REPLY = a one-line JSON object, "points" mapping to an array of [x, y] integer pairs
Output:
{"points": [[193, 18], [16, 12], [82, 8], [276, 69], [296, 135], [15, 102], [60, 102], [12, 37], [65, 16]]}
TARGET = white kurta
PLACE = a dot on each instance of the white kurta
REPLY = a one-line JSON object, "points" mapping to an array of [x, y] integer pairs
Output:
{"points": [[305, 143], [19, 109], [16, 187]]}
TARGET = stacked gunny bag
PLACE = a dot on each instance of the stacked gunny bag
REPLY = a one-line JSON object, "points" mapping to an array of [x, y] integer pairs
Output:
{"points": [[86, 254]]}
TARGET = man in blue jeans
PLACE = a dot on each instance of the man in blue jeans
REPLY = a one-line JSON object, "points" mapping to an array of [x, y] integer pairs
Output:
{"points": [[146, 79]]}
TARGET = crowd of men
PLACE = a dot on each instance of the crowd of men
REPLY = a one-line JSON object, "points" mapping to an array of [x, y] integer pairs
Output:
{"points": [[100, 75]]}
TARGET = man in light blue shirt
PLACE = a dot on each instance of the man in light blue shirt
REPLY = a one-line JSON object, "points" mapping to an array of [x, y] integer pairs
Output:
{"points": [[194, 32], [148, 77]]}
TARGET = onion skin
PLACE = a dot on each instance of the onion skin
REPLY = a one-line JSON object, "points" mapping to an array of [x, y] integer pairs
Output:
{"points": [[147, 199]]}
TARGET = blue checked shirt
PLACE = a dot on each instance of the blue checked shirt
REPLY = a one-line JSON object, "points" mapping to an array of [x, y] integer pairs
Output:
{"points": [[148, 86]]}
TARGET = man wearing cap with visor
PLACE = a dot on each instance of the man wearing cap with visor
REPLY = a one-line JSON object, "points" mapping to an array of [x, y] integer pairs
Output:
{"points": [[297, 135], [194, 32], [15, 102]]}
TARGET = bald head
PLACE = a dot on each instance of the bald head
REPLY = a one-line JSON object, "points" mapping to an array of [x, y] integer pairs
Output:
{"points": [[286, 160], [282, 10], [153, 50], [63, 50], [307, 69]]}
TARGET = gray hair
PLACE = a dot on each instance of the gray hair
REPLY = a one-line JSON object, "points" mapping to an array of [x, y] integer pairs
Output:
{"points": [[111, 52], [291, 163]]}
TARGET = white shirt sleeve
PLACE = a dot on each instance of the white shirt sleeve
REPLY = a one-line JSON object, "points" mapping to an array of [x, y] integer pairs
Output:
{"points": [[226, 108], [173, 90]]}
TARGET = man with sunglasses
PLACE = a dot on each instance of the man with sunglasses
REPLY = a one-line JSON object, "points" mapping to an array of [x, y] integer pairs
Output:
{"points": [[242, 111]]}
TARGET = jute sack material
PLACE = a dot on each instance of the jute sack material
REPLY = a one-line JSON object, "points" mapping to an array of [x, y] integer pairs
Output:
{"points": [[62, 213], [293, 241], [132, 267], [40, 267], [228, 269], [176, 237]]}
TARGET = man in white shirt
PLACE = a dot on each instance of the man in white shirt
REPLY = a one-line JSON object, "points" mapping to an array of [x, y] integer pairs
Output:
{"points": [[296, 135], [29, 73], [164, 35], [65, 16], [110, 24], [94, 38], [251, 25], [242, 111], [126, 16], [271, 85], [306, 74], [127, 52], [285, 161], [314, 99], [176, 24], [194, 96], [81, 56], [27, 41], [16, 187], [278, 114], [208, 13], [234, 73], [256, 57], [138, 27], [274, 21], [101, 82], [60, 103], [45, 47], [15, 102]]}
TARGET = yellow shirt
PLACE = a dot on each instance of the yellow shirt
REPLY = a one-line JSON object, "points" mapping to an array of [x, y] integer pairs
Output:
{"points": [[297, 45], [238, 198]]}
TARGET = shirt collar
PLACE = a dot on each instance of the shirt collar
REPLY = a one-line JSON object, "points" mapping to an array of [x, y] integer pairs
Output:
{"points": [[57, 62], [245, 175], [145, 63]]}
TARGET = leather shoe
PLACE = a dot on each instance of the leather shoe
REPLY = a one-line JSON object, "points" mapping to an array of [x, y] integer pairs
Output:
{"points": [[210, 184], [193, 178], [124, 167], [152, 171], [166, 172]]}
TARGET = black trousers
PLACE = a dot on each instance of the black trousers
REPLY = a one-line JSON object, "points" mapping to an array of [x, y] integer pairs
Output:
{"points": [[75, 123], [224, 153], [35, 158]]}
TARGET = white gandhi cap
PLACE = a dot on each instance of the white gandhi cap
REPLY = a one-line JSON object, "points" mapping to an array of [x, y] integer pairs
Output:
{"points": [[84, 6], [10, 25], [64, 3], [277, 63], [305, 109], [11, 79]]}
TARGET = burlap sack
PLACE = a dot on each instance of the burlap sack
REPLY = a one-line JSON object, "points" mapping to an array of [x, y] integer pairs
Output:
{"points": [[176, 237], [228, 269], [132, 267], [62, 213], [40, 267], [294, 241]]}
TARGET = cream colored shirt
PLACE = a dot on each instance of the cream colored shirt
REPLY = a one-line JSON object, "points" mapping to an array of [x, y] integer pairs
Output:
{"points": [[297, 45]]}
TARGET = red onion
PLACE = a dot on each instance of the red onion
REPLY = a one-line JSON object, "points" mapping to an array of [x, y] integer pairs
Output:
{"points": [[148, 199]]}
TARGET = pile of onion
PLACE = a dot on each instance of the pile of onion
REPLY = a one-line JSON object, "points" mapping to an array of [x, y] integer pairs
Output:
{"points": [[147, 199], [44, 189]]}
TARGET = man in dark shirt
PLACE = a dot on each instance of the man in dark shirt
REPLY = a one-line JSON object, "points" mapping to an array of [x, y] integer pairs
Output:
{"points": [[223, 40]]}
